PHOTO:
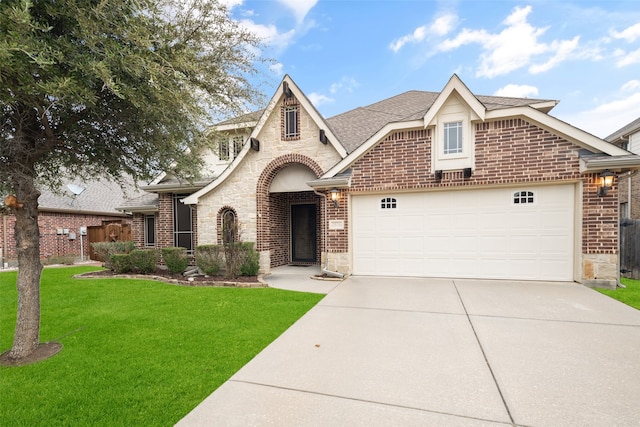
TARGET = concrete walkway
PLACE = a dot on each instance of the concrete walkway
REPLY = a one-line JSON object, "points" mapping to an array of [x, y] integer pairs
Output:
{"points": [[410, 351]]}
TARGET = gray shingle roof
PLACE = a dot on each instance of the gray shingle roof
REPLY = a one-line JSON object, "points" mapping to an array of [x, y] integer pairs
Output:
{"points": [[99, 197], [356, 126], [624, 132], [254, 116]]}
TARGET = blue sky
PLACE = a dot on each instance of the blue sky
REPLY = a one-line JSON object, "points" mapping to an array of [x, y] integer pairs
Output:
{"points": [[348, 53]]}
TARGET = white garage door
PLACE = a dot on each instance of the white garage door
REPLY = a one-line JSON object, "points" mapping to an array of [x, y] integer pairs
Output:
{"points": [[508, 233]]}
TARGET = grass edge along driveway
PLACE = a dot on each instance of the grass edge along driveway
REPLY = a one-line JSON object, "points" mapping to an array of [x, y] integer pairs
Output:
{"points": [[136, 352], [629, 295]]}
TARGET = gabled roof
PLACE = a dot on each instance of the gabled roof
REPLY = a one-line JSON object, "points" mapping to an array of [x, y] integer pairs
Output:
{"points": [[623, 133], [355, 127], [287, 84], [364, 127]]}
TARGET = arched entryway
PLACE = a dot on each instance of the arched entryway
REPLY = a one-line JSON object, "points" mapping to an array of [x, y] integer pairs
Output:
{"points": [[289, 212]]}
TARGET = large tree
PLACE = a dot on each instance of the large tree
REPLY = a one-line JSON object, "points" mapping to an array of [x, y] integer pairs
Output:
{"points": [[107, 88]]}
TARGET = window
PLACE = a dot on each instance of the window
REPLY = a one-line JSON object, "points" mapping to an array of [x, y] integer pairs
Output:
{"points": [[290, 119], [149, 230], [229, 227], [182, 223], [237, 145], [388, 203], [453, 138], [223, 149], [523, 197]]}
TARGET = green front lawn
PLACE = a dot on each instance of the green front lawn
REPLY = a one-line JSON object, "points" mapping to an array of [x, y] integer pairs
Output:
{"points": [[136, 352], [629, 295]]}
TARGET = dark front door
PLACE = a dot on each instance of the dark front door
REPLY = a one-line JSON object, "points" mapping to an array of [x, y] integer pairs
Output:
{"points": [[303, 233]]}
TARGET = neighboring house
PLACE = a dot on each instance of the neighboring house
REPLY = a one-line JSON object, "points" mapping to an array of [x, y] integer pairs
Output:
{"points": [[628, 138], [70, 219], [439, 184]]}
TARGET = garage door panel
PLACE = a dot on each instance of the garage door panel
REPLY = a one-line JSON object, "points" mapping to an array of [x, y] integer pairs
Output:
{"points": [[469, 233]]}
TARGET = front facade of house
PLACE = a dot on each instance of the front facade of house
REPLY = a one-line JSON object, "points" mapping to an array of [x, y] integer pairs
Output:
{"points": [[445, 184]]}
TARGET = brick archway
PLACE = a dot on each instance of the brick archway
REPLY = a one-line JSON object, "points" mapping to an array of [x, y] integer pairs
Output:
{"points": [[263, 234]]}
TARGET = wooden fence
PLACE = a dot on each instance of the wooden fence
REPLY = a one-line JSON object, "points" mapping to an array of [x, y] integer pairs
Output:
{"points": [[107, 233], [630, 248]]}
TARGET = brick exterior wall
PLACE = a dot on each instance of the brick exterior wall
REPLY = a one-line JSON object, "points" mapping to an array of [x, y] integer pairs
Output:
{"points": [[280, 220], [634, 202], [164, 224], [506, 152], [52, 244]]}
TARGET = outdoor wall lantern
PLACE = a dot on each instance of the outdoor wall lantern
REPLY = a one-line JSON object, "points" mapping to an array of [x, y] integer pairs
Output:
{"points": [[605, 183], [438, 175], [335, 197]]}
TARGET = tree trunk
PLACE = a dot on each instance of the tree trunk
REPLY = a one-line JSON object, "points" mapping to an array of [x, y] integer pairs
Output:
{"points": [[27, 235]]}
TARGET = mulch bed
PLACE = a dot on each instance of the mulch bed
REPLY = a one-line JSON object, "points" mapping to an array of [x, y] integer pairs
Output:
{"points": [[42, 352], [179, 279]]}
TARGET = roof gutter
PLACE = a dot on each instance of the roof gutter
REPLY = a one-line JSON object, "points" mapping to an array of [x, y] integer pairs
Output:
{"points": [[613, 163], [173, 187], [83, 212], [137, 209], [328, 183]]}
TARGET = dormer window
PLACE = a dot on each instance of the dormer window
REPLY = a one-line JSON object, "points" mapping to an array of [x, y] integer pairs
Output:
{"points": [[453, 138], [290, 119], [453, 141]]}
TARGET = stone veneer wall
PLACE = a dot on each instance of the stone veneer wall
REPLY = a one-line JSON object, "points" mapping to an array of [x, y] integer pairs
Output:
{"points": [[246, 189]]}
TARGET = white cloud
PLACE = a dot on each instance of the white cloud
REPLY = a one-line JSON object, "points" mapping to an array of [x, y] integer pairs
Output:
{"points": [[627, 58], [346, 83], [300, 7], [630, 34], [441, 26], [563, 49], [514, 47], [230, 4], [269, 33], [610, 116], [277, 69], [319, 99], [517, 91], [630, 86]]}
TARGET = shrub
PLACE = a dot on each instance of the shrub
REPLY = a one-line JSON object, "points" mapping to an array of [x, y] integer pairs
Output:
{"points": [[121, 263], [250, 259], [209, 259], [105, 250], [176, 259], [144, 260]]}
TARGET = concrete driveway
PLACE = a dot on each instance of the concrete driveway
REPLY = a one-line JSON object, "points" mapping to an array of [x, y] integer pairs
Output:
{"points": [[441, 352]]}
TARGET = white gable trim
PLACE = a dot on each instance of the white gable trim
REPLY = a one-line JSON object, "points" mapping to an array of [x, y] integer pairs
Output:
{"points": [[545, 121], [454, 85], [558, 127], [304, 102], [311, 110], [369, 144]]}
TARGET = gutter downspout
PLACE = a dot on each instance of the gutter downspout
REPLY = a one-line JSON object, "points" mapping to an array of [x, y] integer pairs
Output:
{"points": [[629, 175], [325, 269]]}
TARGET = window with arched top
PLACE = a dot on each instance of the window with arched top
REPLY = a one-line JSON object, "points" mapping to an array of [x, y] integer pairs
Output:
{"points": [[388, 203], [229, 226], [523, 197]]}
